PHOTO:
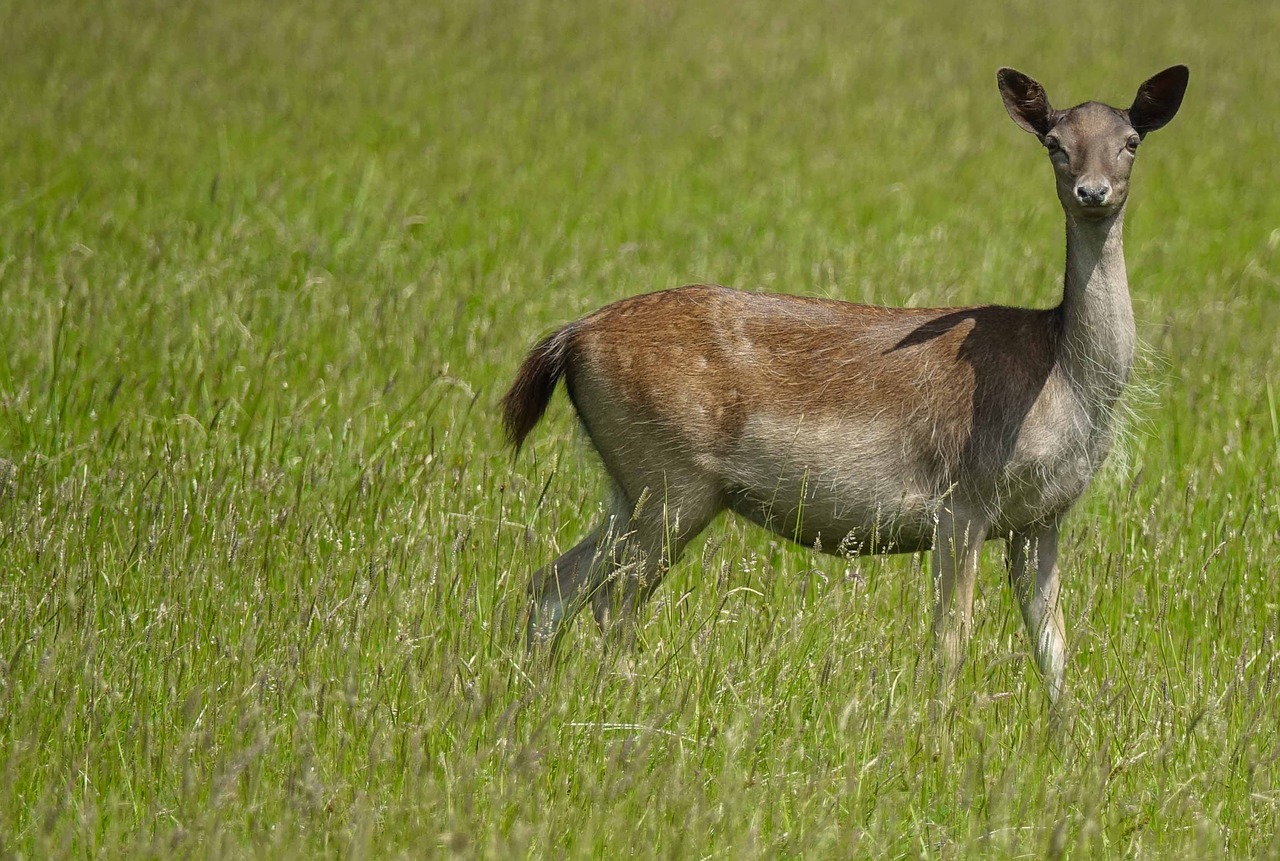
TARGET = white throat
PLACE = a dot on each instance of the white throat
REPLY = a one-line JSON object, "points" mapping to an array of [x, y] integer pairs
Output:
{"points": [[1098, 335]]}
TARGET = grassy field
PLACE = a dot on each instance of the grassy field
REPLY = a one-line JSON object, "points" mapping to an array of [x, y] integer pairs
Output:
{"points": [[265, 270]]}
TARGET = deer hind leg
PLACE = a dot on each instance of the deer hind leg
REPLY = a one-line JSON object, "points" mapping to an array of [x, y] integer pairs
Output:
{"points": [[956, 551], [559, 590], [619, 564], [1033, 573], [658, 528]]}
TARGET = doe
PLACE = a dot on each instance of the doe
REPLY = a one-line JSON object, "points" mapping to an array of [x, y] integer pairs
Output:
{"points": [[861, 429]]}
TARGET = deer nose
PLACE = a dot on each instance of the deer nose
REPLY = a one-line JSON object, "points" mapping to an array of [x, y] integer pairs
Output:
{"points": [[1093, 194]]}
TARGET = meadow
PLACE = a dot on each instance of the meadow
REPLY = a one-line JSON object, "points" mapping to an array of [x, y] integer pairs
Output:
{"points": [[266, 270]]}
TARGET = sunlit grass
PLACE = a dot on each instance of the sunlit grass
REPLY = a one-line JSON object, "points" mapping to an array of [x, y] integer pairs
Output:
{"points": [[264, 273]]}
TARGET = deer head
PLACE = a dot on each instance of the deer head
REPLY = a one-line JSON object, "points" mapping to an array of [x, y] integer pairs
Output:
{"points": [[1092, 146]]}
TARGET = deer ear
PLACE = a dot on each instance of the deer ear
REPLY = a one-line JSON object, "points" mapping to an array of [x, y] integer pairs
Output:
{"points": [[1026, 102], [1158, 99]]}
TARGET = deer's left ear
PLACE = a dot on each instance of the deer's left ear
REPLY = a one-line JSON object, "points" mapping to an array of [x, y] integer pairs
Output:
{"points": [[1158, 99]]}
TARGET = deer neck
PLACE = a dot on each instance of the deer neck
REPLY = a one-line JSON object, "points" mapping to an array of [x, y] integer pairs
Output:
{"points": [[1098, 337]]}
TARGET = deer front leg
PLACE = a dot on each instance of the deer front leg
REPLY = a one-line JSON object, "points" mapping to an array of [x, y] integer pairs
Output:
{"points": [[956, 550], [1033, 572]]}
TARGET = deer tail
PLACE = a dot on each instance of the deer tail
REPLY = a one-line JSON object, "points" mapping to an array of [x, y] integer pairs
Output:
{"points": [[527, 399]]}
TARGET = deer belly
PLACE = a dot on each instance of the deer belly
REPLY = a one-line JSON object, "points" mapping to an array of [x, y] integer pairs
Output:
{"points": [[844, 487]]}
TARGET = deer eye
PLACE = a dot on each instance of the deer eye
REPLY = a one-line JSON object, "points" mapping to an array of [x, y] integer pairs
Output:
{"points": [[1052, 144], [1132, 143]]}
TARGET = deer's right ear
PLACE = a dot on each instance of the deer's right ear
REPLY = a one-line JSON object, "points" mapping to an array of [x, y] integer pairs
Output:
{"points": [[1026, 102]]}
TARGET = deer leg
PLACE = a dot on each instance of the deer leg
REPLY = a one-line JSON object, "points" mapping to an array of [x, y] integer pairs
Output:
{"points": [[559, 590], [957, 548], [1033, 573], [658, 534]]}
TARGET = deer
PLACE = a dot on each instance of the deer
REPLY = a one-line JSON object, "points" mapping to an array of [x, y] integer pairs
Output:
{"points": [[859, 429]]}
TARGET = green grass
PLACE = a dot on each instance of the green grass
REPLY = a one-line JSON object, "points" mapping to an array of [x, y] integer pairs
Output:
{"points": [[265, 271]]}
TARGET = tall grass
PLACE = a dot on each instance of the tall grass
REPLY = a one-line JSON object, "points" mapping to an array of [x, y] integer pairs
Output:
{"points": [[265, 270]]}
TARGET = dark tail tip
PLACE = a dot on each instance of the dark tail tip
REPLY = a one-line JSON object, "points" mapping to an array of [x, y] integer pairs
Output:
{"points": [[526, 400]]}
